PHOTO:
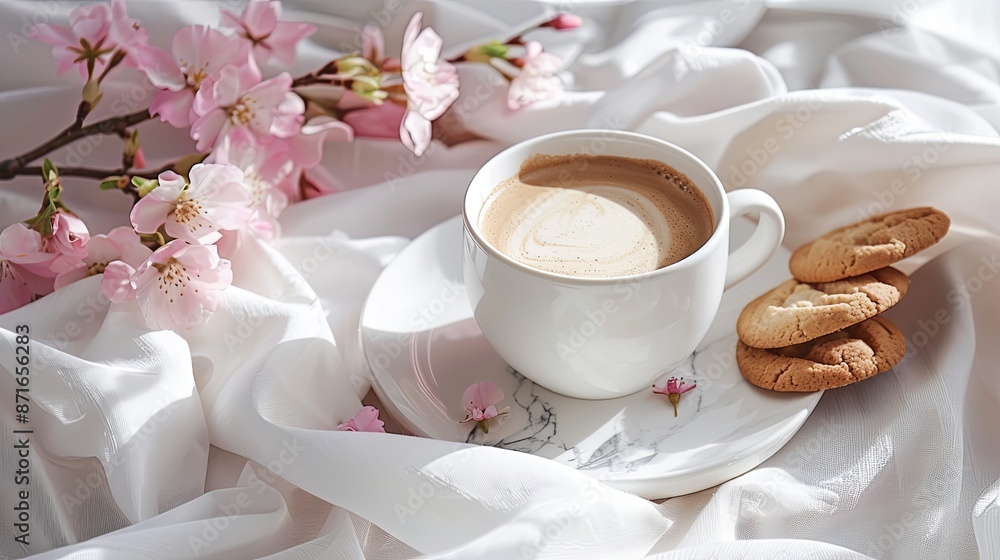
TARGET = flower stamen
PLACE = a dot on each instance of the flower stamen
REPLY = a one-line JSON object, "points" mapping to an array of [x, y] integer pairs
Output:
{"points": [[186, 210], [96, 268], [244, 111]]}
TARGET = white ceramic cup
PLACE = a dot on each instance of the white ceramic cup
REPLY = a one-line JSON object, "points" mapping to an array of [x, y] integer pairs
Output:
{"points": [[597, 338]]}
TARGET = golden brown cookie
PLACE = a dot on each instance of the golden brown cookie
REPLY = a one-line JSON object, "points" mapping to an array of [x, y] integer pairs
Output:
{"points": [[869, 245], [841, 358], [796, 312]]}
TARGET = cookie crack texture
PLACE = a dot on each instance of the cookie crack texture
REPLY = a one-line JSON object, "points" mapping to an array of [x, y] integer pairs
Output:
{"points": [[869, 245], [837, 359], [781, 374], [796, 312]]}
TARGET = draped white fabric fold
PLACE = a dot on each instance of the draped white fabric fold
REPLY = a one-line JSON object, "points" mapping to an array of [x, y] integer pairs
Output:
{"points": [[221, 442]]}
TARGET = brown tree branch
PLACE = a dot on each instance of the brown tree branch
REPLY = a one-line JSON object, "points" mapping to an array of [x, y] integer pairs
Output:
{"points": [[10, 168], [93, 173]]}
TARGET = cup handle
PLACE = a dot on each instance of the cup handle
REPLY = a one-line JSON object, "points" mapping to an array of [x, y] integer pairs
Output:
{"points": [[764, 241]]}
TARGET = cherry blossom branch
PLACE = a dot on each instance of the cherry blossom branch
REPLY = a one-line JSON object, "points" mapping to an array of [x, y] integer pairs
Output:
{"points": [[101, 174], [315, 77], [87, 172], [12, 167], [18, 166], [93, 173]]}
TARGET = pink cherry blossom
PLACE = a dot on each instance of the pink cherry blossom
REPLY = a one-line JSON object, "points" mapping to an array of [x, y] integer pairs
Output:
{"points": [[179, 286], [88, 26], [366, 420], [116, 282], [94, 31], [231, 240], [279, 164], [214, 200], [121, 243], [24, 267], [125, 31], [536, 80], [306, 147], [673, 390], [238, 98], [260, 26], [431, 84], [480, 401], [267, 170], [68, 242], [563, 22], [264, 165], [198, 52], [379, 121]]}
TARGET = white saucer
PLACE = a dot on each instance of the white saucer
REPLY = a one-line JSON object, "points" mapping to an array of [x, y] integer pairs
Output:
{"points": [[424, 349]]}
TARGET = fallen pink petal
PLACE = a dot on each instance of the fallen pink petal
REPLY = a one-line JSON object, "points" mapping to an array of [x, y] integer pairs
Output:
{"points": [[673, 389], [480, 401], [366, 420]]}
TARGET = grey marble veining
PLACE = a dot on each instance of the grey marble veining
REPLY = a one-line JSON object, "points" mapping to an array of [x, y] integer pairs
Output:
{"points": [[540, 431], [627, 447]]}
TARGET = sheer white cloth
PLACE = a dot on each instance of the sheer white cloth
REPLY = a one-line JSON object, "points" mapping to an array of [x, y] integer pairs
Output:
{"points": [[220, 442]]}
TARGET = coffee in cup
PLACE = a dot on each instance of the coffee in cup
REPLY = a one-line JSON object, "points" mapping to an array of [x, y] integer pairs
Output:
{"points": [[631, 320], [596, 216]]}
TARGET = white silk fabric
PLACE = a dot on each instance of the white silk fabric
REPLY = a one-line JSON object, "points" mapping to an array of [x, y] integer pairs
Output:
{"points": [[220, 442]]}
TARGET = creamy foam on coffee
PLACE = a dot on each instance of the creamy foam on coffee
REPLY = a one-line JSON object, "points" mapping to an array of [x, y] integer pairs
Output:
{"points": [[596, 216]]}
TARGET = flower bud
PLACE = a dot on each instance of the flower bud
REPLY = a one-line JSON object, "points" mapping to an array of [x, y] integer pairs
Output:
{"points": [[144, 186], [92, 93], [351, 66], [49, 172], [367, 87], [563, 22], [486, 51], [132, 144]]}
